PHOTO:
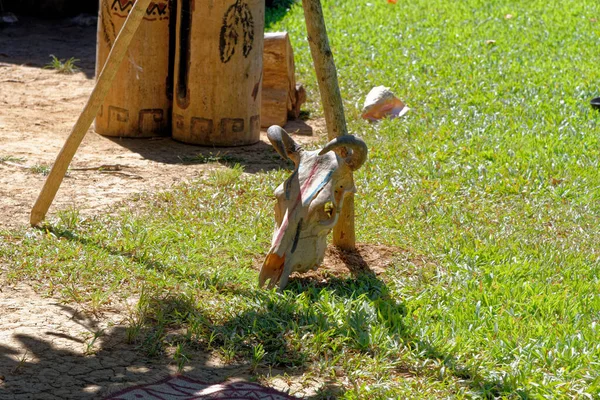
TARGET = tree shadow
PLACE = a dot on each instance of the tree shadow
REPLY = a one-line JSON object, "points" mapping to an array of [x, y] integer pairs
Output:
{"points": [[33, 366], [51, 8], [365, 282], [276, 10], [33, 40], [178, 318], [256, 158]]}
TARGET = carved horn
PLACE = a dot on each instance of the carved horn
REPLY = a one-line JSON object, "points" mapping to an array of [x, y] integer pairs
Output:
{"points": [[283, 143], [359, 150]]}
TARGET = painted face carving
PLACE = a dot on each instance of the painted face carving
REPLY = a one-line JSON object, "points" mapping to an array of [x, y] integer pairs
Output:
{"points": [[308, 203]]}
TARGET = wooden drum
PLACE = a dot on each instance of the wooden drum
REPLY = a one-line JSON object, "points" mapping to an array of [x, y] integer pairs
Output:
{"points": [[138, 103], [218, 72]]}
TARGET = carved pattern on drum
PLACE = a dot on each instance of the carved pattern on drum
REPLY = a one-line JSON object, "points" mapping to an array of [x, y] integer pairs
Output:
{"points": [[179, 121], [151, 119], [238, 17], [201, 127], [255, 123], [157, 10], [117, 114], [232, 126]]}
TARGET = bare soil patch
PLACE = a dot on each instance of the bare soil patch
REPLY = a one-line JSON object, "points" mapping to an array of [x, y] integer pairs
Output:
{"points": [[38, 108], [50, 350]]}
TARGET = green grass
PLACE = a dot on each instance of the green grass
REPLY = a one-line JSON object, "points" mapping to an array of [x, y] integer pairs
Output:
{"points": [[10, 158], [492, 177], [39, 168], [63, 66]]}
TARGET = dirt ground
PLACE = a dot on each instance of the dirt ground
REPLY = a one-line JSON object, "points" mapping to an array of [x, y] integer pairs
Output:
{"points": [[49, 350], [53, 350], [38, 108]]}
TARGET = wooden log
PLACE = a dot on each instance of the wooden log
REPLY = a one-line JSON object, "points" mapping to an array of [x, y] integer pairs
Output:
{"points": [[281, 96], [137, 104], [57, 173], [218, 72], [343, 233]]}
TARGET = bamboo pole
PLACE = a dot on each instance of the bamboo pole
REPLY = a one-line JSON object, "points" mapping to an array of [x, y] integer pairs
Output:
{"points": [[343, 233], [117, 53]]}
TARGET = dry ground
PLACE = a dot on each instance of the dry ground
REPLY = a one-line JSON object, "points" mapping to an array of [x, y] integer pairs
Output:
{"points": [[50, 350], [47, 349], [38, 108]]}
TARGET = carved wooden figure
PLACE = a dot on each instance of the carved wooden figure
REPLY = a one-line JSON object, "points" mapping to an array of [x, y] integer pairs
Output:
{"points": [[309, 203]]}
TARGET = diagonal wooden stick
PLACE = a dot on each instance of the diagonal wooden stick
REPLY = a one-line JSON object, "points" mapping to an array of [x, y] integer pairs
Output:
{"points": [[343, 233], [105, 80]]}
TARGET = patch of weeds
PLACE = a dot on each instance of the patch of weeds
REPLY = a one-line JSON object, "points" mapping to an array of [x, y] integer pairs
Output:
{"points": [[89, 345], [227, 353], [258, 354], [180, 357], [63, 66], [225, 176], [98, 298], [9, 158], [153, 344], [18, 368], [69, 219], [42, 169]]}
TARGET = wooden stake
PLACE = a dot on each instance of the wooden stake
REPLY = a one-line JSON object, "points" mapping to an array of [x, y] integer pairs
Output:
{"points": [[57, 173], [343, 233]]}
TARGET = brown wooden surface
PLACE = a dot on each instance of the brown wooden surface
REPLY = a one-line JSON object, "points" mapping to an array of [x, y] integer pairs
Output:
{"points": [[57, 173], [137, 104], [218, 73], [279, 97], [343, 233]]}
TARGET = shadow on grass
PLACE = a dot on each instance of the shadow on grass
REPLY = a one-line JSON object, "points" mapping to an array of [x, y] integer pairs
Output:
{"points": [[275, 11], [273, 323]]}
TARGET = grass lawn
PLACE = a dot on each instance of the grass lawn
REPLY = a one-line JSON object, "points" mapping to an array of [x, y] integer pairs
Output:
{"points": [[492, 178]]}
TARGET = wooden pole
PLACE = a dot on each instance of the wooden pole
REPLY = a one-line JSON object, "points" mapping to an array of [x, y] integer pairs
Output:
{"points": [[343, 233], [57, 173]]}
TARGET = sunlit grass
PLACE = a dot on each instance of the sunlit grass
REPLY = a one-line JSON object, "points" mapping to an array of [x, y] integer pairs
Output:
{"points": [[492, 176]]}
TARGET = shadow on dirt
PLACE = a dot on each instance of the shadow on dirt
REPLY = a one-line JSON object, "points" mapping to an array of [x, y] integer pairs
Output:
{"points": [[259, 157], [51, 8], [38, 370], [32, 41]]}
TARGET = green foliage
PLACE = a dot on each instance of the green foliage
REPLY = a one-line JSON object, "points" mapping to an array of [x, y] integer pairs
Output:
{"points": [[10, 158], [42, 169], [490, 186], [62, 66], [275, 11]]}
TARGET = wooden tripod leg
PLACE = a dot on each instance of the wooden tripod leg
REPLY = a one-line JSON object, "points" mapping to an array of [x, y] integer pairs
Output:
{"points": [[105, 80], [343, 233]]}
